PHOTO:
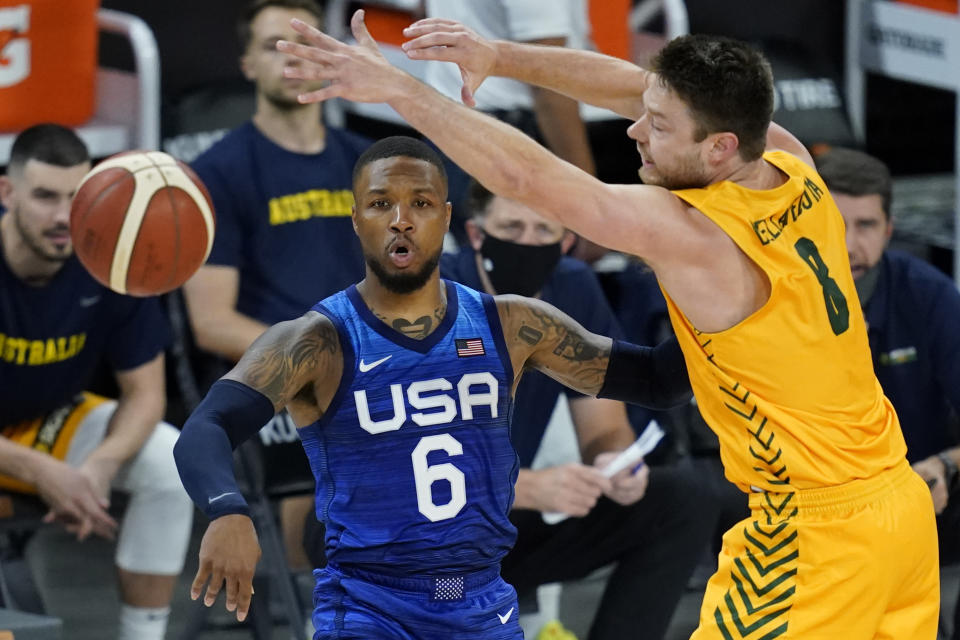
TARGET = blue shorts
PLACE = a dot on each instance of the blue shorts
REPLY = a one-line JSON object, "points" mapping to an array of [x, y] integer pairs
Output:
{"points": [[360, 605]]}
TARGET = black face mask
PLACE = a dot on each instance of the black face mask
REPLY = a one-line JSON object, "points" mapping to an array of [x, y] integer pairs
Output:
{"points": [[522, 269]]}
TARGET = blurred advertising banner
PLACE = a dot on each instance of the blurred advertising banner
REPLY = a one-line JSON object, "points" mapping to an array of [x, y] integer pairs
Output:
{"points": [[911, 43]]}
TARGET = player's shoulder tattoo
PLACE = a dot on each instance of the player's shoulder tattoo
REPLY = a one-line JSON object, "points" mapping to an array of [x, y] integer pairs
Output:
{"points": [[289, 355]]}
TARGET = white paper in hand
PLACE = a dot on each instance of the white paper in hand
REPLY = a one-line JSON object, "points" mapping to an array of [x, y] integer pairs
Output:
{"points": [[633, 454], [630, 456]]}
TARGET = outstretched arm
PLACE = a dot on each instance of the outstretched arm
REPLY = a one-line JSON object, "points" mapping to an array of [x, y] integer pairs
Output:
{"points": [[638, 219], [294, 362], [585, 76], [540, 336]]}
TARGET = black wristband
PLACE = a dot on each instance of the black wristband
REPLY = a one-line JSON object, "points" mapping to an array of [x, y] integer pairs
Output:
{"points": [[655, 377]]}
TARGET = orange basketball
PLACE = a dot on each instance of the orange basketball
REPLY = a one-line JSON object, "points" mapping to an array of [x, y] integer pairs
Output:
{"points": [[142, 223]]}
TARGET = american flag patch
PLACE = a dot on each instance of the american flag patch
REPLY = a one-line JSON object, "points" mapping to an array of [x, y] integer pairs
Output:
{"points": [[470, 347], [447, 589]]}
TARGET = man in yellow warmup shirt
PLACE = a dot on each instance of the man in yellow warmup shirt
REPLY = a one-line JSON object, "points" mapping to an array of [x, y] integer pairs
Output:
{"points": [[749, 249]]}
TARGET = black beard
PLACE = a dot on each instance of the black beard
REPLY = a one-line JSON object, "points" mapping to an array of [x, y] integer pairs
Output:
{"points": [[34, 246], [403, 282], [282, 103]]}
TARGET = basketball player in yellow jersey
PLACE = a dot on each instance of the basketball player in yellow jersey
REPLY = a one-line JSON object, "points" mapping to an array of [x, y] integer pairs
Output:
{"points": [[749, 248]]}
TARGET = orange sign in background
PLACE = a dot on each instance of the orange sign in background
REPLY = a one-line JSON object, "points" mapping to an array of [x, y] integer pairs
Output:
{"points": [[949, 6], [48, 61], [610, 30]]}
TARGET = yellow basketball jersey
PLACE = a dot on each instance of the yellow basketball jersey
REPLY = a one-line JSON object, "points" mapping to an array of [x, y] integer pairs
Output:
{"points": [[790, 390]]}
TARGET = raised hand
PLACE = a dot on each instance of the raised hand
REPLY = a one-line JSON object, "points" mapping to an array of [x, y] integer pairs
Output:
{"points": [[450, 41], [229, 553], [355, 72]]}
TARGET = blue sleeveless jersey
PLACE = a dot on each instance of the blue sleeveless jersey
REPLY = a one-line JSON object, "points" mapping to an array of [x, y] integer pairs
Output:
{"points": [[415, 470]]}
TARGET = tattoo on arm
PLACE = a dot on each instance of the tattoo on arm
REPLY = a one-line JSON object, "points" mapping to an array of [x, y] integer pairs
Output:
{"points": [[573, 347], [556, 344], [530, 335], [286, 358]]}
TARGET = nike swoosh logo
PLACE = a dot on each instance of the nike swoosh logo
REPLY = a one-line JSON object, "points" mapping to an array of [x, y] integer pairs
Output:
{"points": [[89, 302], [506, 616], [364, 367], [222, 495]]}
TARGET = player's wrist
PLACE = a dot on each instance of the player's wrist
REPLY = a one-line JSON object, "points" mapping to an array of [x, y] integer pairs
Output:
{"points": [[408, 91]]}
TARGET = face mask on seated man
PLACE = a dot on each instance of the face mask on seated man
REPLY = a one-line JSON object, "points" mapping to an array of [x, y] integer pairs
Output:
{"points": [[516, 249]]}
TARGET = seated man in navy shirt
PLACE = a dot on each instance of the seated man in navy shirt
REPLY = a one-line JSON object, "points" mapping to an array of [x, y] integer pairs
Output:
{"points": [[58, 441], [654, 537], [912, 312]]}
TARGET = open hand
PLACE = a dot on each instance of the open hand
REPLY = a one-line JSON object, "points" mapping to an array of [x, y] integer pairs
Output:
{"points": [[449, 41], [229, 553], [355, 72]]}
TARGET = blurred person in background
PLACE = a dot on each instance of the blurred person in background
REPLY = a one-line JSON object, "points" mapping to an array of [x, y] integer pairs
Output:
{"points": [[57, 440], [912, 312]]}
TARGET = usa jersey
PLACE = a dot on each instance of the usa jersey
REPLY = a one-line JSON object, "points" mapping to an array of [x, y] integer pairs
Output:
{"points": [[414, 466]]}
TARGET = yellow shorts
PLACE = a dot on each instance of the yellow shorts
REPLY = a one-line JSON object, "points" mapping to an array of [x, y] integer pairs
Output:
{"points": [[852, 562], [51, 434]]}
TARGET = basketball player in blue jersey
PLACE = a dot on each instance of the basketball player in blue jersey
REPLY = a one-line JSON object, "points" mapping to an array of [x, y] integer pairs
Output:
{"points": [[402, 387]]}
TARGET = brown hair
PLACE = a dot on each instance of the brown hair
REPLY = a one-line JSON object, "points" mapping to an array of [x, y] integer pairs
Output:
{"points": [[855, 173], [254, 8], [48, 143], [726, 84]]}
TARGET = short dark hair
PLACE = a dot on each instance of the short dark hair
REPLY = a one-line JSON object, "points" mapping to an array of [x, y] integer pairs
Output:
{"points": [[478, 199], [727, 84], [254, 7], [855, 173], [48, 143], [395, 146]]}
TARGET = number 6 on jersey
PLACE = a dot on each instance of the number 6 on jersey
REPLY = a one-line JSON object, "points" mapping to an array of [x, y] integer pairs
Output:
{"points": [[425, 475]]}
